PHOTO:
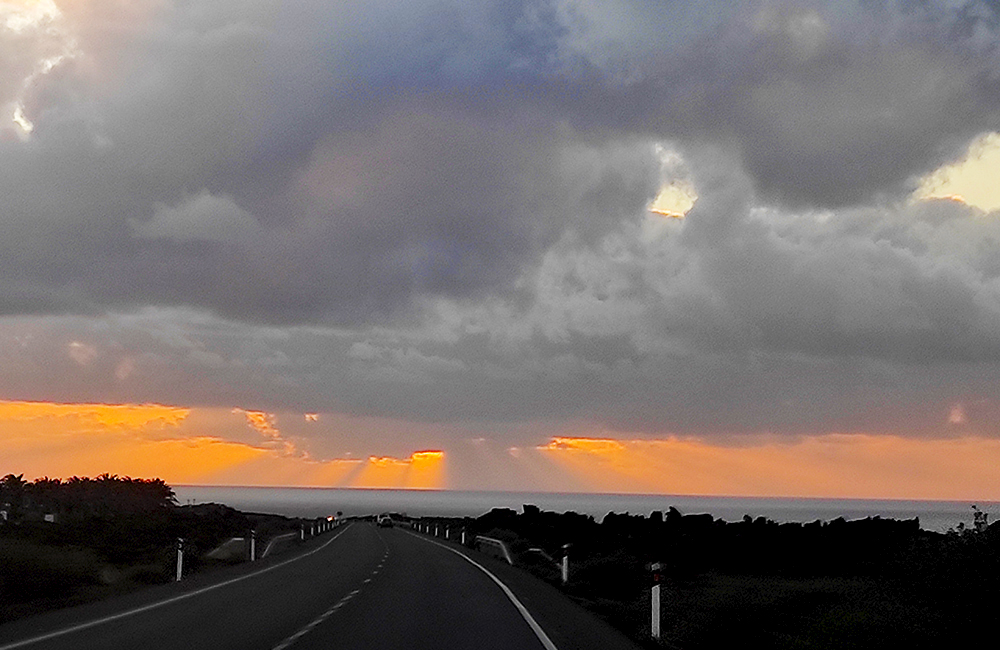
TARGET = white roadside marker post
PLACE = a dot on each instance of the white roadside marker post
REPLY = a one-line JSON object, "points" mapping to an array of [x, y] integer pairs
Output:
{"points": [[253, 545], [180, 559], [447, 532], [302, 532], [463, 538], [565, 564], [654, 600]]}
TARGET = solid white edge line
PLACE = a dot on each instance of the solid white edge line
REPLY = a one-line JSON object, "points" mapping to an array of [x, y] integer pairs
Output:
{"points": [[529, 619], [174, 599]]}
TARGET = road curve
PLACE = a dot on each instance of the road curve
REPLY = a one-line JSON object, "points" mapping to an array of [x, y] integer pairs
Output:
{"points": [[362, 587]]}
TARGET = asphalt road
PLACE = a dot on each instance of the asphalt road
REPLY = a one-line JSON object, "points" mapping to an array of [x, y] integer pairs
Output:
{"points": [[359, 587]]}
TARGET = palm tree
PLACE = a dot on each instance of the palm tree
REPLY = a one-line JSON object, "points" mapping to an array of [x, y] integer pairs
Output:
{"points": [[12, 490]]}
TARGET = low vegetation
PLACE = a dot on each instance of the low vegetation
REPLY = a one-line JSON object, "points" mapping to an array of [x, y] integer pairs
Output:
{"points": [[838, 584], [64, 542]]}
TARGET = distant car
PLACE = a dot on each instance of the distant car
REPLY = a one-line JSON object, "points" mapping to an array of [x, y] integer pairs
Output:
{"points": [[384, 521]]}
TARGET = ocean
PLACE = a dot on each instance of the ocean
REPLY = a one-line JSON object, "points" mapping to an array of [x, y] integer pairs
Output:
{"points": [[319, 502]]}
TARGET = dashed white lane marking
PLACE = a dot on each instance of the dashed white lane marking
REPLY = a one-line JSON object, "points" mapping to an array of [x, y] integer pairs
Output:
{"points": [[308, 628], [325, 615], [146, 608]]}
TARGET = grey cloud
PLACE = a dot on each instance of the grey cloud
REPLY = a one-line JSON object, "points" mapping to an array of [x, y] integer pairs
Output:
{"points": [[858, 320], [835, 135], [394, 151], [199, 218], [828, 103], [462, 187]]}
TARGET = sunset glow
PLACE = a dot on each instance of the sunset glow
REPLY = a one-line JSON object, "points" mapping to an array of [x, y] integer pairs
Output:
{"points": [[972, 180], [422, 470], [674, 200], [700, 248], [102, 416], [47, 439], [840, 465], [263, 423]]}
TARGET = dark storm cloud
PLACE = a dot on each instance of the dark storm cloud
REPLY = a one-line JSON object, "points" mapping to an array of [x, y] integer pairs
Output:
{"points": [[828, 103], [316, 162], [381, 151], [211, 188]]}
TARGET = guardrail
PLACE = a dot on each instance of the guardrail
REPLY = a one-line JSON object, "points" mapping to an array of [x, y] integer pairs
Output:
{"points": [[495, 545], [247, 546], [270, 544], [230, 548], [483, 544]]}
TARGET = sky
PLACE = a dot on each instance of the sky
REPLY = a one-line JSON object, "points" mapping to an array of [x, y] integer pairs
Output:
{"points": [[739, 247]]}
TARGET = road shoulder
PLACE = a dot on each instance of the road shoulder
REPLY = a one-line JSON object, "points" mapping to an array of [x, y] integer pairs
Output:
{"points": [[568, 625]]}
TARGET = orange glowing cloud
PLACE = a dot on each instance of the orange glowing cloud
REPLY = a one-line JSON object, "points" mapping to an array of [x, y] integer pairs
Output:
{"points": [[261, 421], [132, 416], [42, 438], [189, 460], [836, 465], [592, 445], [210, 446], [423, 470], [264, 424], [387, 462]]}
